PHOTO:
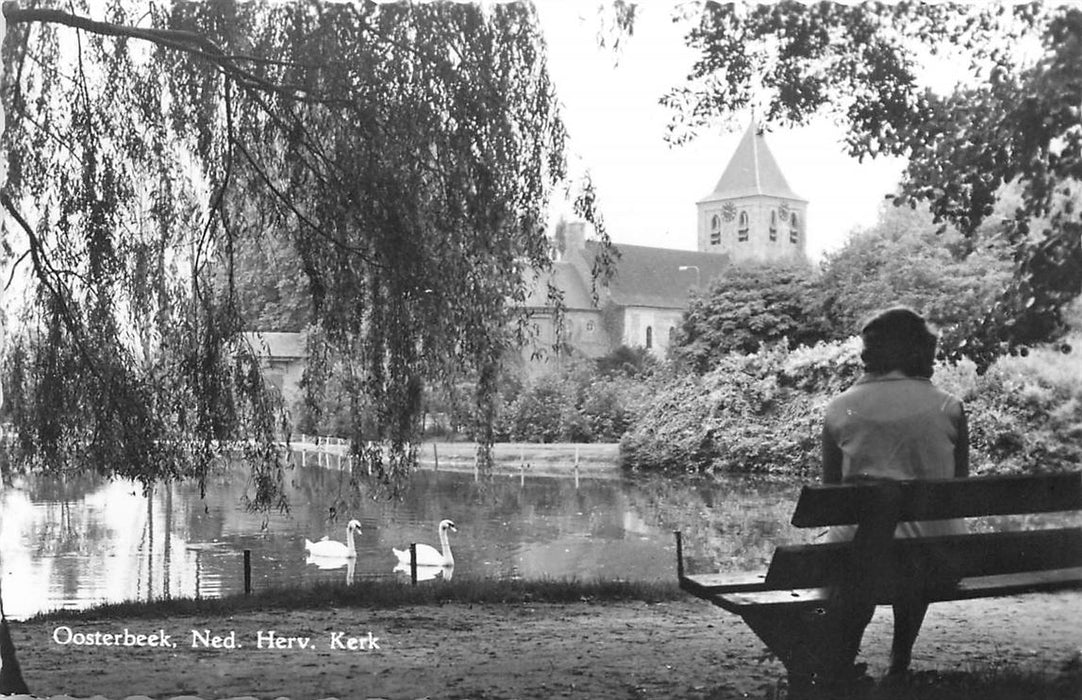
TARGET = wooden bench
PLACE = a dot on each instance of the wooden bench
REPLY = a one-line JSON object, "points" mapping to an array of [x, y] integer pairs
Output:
{"points": [[788, 605]]}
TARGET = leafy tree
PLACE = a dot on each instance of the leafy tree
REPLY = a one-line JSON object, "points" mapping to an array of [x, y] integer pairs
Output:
{"points": [[271, 287], [903, 259], [1011, 122], [626, 361], [748, 306], [405, 151]]}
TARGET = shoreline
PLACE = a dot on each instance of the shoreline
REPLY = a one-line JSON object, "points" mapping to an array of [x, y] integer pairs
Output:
{"points": [[593, 460]]}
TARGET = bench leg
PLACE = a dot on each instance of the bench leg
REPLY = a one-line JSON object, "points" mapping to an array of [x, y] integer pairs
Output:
{"points": [[820, 642], [804, 638]]}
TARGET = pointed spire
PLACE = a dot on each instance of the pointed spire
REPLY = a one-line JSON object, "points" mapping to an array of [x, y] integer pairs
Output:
{"points": [[752, 170]]}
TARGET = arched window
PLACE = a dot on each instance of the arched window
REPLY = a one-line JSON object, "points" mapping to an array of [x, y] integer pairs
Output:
{"points": [[715, 230], [649, 337], [742, 227], [773, 225], [794, 229]]}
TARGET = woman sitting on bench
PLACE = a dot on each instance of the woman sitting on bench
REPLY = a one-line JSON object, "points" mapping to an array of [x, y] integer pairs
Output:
{"points": [[892, 424]]}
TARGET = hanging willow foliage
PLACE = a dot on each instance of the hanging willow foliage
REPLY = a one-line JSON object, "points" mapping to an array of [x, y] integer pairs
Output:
{"points": [[408, 152]]}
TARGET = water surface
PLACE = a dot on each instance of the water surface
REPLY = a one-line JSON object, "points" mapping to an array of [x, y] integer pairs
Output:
{"points": [[71, 543]]}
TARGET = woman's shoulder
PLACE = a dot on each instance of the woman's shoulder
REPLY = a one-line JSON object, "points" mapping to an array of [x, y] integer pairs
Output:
{"points": [[948, 402], [895, 389]]}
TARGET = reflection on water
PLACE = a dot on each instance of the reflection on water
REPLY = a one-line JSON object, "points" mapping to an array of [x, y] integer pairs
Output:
{"points": [[83, 540]]}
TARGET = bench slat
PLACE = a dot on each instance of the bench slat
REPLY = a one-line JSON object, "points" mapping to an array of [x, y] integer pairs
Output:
{"points": [[821, 505], [710, 584], [974, 587], [985, 554], [1011, 584]]}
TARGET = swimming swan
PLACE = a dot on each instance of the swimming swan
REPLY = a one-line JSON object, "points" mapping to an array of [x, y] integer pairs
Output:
{"points": [[428, 555], [331, 548]]}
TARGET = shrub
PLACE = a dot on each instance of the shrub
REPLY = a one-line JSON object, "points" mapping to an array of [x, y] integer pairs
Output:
{"points": [[1026, 413], [763, 412], [748, 306], [737, 417], [571, 405], [535, 415]]}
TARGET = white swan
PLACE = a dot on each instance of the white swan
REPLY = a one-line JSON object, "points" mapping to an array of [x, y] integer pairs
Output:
{"points": [[428, 555], [331, 548]]}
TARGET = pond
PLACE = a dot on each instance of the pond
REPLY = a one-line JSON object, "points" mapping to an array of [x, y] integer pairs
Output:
{"points": [[83, 540], [75, 542]]}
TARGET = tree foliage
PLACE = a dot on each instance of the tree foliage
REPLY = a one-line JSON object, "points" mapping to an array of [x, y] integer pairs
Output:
{"points": [[904, 259], [271, 287], [746, 307], [405, 151], [1012, 121]]}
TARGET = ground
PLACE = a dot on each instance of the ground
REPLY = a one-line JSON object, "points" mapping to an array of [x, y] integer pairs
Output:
{"points": [[680, 649]]}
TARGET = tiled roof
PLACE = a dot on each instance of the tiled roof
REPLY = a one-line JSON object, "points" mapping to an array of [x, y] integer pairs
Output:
{"points": [[277, 345], [752, 171], [565, 277], [652, 277]]}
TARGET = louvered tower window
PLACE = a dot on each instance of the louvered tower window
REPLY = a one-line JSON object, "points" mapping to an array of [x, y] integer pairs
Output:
{"points": [[715, 230]]}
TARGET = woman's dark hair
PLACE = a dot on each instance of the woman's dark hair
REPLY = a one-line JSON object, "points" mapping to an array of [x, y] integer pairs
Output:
{"points": [[898, 339]]}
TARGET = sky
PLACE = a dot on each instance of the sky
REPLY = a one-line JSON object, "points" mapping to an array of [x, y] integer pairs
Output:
{"points": [[647, 189]]}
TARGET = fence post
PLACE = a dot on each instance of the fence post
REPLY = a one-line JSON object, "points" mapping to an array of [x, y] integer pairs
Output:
{"points": [[413, 563], [247, 572], [679, 556]]}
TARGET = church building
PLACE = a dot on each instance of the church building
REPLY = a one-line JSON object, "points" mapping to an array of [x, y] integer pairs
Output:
{"points": [[751, 216]]}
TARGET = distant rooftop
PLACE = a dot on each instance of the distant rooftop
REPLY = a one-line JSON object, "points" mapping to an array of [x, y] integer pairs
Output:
{"points": [[647, 276], [277, 345]]}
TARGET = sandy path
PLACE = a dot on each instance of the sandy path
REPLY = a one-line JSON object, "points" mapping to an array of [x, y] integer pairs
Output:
{"points": [[621, 650]]}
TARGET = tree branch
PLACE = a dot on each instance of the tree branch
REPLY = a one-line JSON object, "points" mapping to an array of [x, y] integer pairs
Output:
{"points": [[188, 42], [298, 213]]}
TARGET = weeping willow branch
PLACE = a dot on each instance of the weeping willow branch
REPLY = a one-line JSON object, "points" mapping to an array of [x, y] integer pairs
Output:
{"points": [[291, 205], [44, 271], [189, 43]]}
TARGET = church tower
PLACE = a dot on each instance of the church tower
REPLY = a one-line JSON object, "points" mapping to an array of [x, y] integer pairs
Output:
{"points": [[752, 214]]}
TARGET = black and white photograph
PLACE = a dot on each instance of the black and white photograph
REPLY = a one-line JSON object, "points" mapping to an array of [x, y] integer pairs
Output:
{"points": [[531, 349]]}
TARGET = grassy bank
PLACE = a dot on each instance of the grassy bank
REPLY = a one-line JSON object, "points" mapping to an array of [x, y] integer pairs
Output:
{"points": [[386, 594]]}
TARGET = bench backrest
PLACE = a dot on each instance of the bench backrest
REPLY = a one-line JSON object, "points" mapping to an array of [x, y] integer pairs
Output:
{"points": [[822, 505], [982, 554]]}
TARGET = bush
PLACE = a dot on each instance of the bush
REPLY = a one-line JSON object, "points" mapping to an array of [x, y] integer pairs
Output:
{"points": [[748, 306], [572, 405], [1026, 413], [740, 416], [763, 412]]}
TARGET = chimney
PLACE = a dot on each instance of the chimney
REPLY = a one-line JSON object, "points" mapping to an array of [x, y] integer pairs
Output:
{"points": [[576, 236]]}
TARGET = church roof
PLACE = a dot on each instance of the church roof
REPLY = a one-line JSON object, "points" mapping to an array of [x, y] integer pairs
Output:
{"points": [[752, 171], [647, 276], [567, 279], [644, 276], [277, 345]]}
